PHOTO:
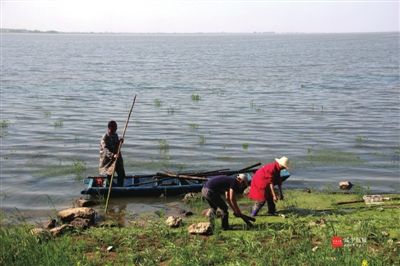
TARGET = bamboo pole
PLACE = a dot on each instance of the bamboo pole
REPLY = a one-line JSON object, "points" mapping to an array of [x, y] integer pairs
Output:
{"points": [[119, 150]]}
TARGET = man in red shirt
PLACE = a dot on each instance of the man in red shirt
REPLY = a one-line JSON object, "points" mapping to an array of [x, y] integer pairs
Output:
{"points": [[263, 182]]}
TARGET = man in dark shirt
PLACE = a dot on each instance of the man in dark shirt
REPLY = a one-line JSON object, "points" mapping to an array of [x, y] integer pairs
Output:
{"points": [[109, 144], [224, 184]]}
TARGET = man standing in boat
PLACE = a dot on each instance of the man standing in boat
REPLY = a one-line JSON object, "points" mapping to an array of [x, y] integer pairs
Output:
{"points": [[224, 184], [263, 182], [109, 153]]}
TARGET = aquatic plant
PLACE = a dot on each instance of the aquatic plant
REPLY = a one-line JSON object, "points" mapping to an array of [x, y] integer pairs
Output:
{"points": [[163, 145], [245, 145], [258, 110], [171, 110], [360, 138], [195, 97], [157, 102], [5, 123], [202, 139], [58, 123], [252, 104], [194, 126], [47, 113], [79, 166]]}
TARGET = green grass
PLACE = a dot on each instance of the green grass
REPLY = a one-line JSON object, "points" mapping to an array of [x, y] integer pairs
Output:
{"points": [[304, 237]]}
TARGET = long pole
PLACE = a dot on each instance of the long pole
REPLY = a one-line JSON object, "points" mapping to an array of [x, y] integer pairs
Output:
{"points": [[119, 149]]}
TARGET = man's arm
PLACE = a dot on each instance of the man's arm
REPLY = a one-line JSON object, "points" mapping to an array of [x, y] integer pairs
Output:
{"points": [[280, 192], [230, 196], [271, 186]]}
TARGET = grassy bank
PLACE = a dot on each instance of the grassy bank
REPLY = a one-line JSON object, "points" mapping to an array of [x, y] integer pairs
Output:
{"points": [[369, 235]]}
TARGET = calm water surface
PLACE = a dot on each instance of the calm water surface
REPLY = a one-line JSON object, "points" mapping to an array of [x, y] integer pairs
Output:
{"points": [[329, 102]]}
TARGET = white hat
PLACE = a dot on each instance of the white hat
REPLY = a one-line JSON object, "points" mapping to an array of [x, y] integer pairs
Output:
{"points": [[244, 178], [284, 162]]}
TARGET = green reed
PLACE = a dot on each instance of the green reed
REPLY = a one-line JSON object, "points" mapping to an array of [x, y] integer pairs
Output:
{"points": [[171, 110]]}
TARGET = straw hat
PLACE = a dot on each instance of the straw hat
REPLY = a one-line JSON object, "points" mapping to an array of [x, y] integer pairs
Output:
{"points": [[244, 178], [284, 162]]}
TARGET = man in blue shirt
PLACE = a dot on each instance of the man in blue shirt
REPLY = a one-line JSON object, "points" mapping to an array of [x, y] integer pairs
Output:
{"points": [[224, 184]]}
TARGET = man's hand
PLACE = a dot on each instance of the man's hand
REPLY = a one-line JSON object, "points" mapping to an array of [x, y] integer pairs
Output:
{"points": [[281, 197], [275, 199]]}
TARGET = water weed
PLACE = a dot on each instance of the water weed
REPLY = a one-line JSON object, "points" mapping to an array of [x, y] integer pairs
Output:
{"points": [[195, 97], [360, 138], [245, 145], [194, 126], [79, 166], [47, 113], [163, 145], [5, 123], [202, 140], [58, 123], [157, 102], [171, 110]]}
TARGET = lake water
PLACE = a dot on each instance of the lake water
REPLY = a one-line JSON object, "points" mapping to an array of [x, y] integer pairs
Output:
{"points": [[329, 102]]}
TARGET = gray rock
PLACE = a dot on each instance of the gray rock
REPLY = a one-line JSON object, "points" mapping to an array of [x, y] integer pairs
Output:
{"points": [[71, 214], [174, 221], [202, 228]]}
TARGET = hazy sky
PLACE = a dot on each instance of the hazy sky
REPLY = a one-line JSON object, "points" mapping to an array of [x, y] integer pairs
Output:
{"points": [[201, 16]]}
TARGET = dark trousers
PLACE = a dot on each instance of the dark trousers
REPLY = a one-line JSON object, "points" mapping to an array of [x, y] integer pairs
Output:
{"points": [[119, 169], [214, 200]]}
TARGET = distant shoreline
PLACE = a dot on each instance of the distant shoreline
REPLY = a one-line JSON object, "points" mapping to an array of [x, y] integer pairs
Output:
{"points": [[3, 30]]}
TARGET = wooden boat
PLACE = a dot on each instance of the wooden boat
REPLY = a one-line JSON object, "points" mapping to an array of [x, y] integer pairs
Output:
{"points": [[163, 183]]}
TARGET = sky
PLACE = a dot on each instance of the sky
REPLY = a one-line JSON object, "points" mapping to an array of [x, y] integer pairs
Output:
{"points": [[191, 16]]}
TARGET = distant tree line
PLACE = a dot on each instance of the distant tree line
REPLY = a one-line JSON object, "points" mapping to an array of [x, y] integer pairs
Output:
{"points": [[25, 31]]}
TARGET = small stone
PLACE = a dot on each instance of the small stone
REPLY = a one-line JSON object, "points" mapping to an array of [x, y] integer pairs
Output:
{"points": [[84, 203], [202, 228], [174, 221]]}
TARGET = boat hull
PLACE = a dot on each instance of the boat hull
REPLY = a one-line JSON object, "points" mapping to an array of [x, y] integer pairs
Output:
{"points": [[146, 187]]}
